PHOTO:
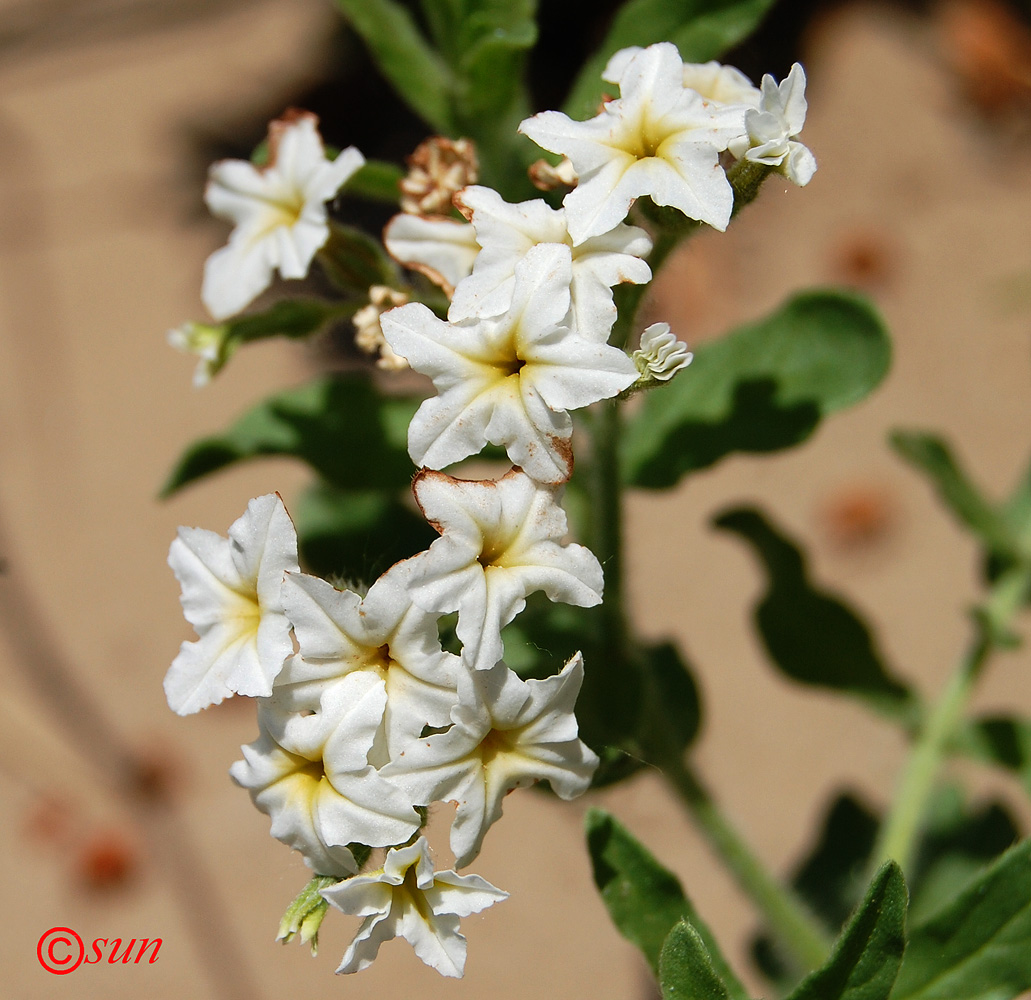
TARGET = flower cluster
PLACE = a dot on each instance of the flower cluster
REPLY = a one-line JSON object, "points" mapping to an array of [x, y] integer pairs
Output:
{"points": [[365, 720]]}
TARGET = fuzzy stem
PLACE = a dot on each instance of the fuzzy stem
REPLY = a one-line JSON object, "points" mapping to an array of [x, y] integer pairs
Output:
{"points": [[789, 919], [900, 832], [794, 926]]}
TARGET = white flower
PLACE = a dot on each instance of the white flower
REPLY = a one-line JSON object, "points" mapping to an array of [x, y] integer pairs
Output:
{"points": [[506, 232], [231, 596], [508, 381], [279, 212], [500, 542], [658, 139], [507, 733], [442, 249], [317, 785], [211, 344], [407, 898], [661, 355], [382, 635], [771, 128]]}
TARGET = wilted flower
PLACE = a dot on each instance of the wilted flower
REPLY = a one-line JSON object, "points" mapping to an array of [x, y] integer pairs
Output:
{"points": [[437, 169]]}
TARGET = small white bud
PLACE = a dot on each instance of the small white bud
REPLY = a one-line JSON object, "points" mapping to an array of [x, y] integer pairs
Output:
{"points": [[661, 355]]}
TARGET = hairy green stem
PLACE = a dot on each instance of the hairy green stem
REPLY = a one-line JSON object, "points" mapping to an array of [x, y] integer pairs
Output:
{"points": [[789, 919], [900, 832]]}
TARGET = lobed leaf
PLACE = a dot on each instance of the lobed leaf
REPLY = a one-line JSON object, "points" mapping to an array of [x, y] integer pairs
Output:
{"points": [[353, 437], [700, 29], [645, 900], [978, 947], [761, 388], [811, 635], [866, 958]]}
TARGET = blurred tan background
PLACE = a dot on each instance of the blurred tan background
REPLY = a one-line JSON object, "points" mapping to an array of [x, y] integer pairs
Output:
{"points": [[922, 199]]}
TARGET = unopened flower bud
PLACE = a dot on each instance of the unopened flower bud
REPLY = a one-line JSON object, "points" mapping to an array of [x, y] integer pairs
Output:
{"points": [[546, 176], [304, 915], [211, 344], [661, 355]]}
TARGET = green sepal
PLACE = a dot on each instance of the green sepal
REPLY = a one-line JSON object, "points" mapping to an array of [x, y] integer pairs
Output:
{"points": [[644, 899], [811, 635], [761, 388], [304, 915], [700, 29], [354, 261], [350, 434], [866, 957]]}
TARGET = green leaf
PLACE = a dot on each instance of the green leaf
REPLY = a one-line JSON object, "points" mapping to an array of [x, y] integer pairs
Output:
{"points": [[294, 318], [404, 57], [350, 435], [811, 635], [356, 535], [932, 456], [867, 956], [958, 844], [686, 971], [979, 946], [761, 388], [376, 180], [676, 695], [645, 900], [700, 29]]}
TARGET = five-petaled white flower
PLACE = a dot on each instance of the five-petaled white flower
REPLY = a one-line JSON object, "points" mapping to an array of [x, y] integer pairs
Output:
{"points": [[279, 212], [658, 139], [500, 542], [383, 634], [506, 232], [231, 596], [770, 129], [507, 733], [511, 380], [407, 898], [314, 781]]}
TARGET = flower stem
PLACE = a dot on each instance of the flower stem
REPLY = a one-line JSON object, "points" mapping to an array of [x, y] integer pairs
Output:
{"points": [[789, 919], [787, 916], [900, 832]]}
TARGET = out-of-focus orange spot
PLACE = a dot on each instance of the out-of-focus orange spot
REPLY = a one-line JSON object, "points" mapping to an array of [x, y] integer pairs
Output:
{"points": [[859, 515], [107, 861], [989, 48], [49, 821], [864, 258]]}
